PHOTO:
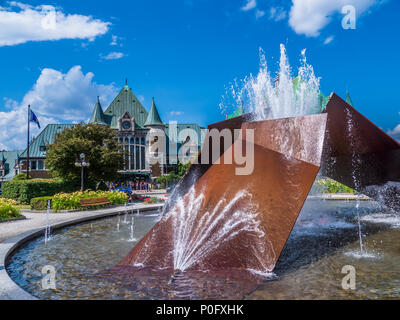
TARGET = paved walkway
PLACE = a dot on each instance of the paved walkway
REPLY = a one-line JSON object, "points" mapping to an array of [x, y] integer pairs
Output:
{"points": [[36, 221]]}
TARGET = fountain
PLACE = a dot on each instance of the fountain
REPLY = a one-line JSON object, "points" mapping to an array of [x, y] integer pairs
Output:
{"points": [[222, 235], [221, 229]]}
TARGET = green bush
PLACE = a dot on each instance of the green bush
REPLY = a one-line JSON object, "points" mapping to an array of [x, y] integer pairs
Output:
{"points": [[8, 212], [116, 197], [331, 186], [21, 177], [24, 191], [40, 203]]}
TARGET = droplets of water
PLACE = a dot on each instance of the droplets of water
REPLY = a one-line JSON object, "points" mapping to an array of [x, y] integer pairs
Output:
{"points": [[362, 254], [131, 237], [280, 96], [47, 233], [355, 165], [359, 227], [390, 219], [197, 233], [118, 222]]}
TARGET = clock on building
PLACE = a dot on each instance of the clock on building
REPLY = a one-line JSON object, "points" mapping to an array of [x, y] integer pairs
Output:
{"points": [[126, 125]]}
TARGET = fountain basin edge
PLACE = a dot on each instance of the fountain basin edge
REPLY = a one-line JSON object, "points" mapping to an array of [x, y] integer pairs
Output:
{"points": [[9, 290]]}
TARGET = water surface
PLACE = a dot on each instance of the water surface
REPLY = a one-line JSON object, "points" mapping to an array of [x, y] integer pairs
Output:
{"points": [[324, 240]]}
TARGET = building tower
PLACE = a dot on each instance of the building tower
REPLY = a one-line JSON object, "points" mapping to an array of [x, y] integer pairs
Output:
{"points": [[98, 114], [157, 141], [348, 99]]}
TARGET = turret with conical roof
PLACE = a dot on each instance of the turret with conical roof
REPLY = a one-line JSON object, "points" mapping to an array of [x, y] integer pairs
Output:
{"points": [[98, 114], [348, 99], [153, 119]]}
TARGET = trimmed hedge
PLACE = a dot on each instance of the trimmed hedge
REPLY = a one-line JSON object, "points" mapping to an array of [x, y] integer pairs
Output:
{"points": [[40, 203], [25, 191]]}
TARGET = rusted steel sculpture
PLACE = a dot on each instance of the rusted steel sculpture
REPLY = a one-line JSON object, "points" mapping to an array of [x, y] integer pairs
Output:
{"points": [[223, 231], [360, 155]]}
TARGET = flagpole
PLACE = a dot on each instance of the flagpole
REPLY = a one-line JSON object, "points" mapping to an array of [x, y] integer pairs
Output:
{"points": [[28, 160]]}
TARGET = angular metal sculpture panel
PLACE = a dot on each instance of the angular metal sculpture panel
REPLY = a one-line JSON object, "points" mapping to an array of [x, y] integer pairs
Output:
{"points": [[235, 226], [360, 155], [222, 231]]}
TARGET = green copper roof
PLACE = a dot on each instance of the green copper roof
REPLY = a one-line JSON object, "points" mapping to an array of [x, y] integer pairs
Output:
{"points": [[126, 101], [348, 99], [98, 114], [238, 112], [153, 118], [45, 138]]}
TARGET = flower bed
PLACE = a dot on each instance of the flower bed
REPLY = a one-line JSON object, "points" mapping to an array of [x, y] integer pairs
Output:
{"points": [[152, 200], [147, 200], [71, 201]]}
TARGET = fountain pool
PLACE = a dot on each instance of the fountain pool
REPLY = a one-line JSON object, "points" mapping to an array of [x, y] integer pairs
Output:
{"points": [[325, 239]]}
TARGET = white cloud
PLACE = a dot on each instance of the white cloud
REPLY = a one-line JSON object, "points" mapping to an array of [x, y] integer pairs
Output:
{"points": [[309, 17], [55, 97], [277, 13], [260, 14], [21, 23], [395, 133], [113, 56], [329, 39], [250, 4]]}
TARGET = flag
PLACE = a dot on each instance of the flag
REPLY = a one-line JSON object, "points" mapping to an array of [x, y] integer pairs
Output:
{"points": [[33, 118]]}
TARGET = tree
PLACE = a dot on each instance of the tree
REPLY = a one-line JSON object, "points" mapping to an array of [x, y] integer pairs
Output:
{"points": [[181, 169], [100, 145], [175, 176]]}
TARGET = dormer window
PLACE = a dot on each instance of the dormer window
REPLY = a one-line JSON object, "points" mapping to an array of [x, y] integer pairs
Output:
{"points": [[126, 123]]}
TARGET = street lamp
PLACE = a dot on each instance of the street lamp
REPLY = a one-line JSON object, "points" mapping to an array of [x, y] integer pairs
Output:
{"points": [[81, 163]]}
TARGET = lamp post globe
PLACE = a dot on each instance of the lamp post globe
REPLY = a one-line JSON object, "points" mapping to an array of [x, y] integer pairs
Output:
{"points": [[81, 163]]}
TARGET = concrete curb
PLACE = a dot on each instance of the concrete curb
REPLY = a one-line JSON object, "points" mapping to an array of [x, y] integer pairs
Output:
{"points": [[13, 219], [9, 290], [340, 197]]}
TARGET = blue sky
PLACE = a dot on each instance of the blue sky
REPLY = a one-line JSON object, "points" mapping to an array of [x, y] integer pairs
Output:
{"points": [[184, 53]]}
